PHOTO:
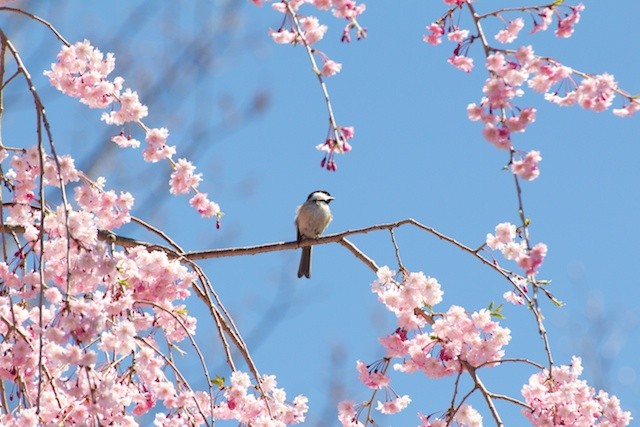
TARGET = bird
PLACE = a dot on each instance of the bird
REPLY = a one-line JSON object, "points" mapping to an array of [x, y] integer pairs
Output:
{"points": [[312, 218]]}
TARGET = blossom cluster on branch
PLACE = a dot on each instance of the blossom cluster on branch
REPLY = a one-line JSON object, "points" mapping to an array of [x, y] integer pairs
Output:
{"points": [[459, 342], [82, 72], [306, 30], [89, 329], [92, 351]]}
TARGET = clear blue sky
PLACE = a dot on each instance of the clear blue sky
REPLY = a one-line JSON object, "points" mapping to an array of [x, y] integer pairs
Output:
{"points": [[415, 154]]}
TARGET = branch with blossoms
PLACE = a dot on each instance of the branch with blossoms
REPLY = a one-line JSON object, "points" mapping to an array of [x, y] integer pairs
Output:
{"points": [[82, 72], [91, 321], [89, 332], [464, 342], [307, 30]]}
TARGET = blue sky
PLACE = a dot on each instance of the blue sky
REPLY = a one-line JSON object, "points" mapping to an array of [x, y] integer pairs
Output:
{"points": [[415, 154]]}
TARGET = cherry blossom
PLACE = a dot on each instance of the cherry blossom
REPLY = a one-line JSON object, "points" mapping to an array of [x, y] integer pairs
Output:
{"points": [[435, 36], [330, 68], [563, 399], [461, 62], [509, 34], [513, 298], [467, 416], [394, 406], [527, 168], [182, 178]]}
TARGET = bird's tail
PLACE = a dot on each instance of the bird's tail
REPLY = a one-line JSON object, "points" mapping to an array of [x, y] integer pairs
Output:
{"points": [[304, 269]]}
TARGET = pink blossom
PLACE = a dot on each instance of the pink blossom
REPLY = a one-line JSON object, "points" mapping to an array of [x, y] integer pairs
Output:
{"points": [[110, 210], [513, 250], [347, 414], [461, 62], [527, 168], [312, 29], [597, 92], [182, 178], [347, 132], [371, 378], [495, 62], [505, 233], [629, 110], [322, 4], [524, 55], [63, 169], [394, 406], [499, 92], [283, 36], [546, 17], [475, 339], [513, 298], [435, 36], [402, 298], [563, 399], [467, 416], [204, 206], [131, 110], [532, 261], [157, 149], [330, 68], [475, 112], [457, 36], [519, 122], [565, 25], [497, 135], [396, 344], [81, 72], [124, 142], [347, 9], [385, 275], [509, 34], [548, 75]]}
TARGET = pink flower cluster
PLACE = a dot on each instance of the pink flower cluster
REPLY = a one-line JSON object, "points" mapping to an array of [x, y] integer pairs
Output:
{"points": [[561, 399], [466, 416], [349, 411], [510, 33], [82, 71], [111, 211], [183, 177], [529, 260], [333, 145], [629, 109], [527, 168], [312, 30], [455, 339], [271, 410], [509, 70], [415, 291], [568, 21], [503, 85], [157, 148], [106, 319]]}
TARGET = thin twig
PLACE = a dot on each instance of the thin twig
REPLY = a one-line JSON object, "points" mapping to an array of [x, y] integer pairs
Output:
{"points": [[38, 19]]}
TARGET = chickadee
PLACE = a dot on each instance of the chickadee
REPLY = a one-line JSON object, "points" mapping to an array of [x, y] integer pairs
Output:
{"points": [[312, 217]]}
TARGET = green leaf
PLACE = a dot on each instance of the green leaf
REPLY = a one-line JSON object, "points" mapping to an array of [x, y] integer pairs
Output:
{"points": [[219, 381]]}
